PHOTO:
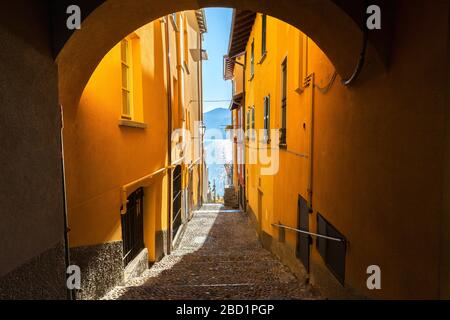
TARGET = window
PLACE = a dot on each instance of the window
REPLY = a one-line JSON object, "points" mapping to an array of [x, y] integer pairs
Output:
{"points": [[266, 119], [127, 92], [186, 43], [174, 21], [132, 110], [253, 123], [283, 130], [247, 127], [252, 60], [264, 35]]}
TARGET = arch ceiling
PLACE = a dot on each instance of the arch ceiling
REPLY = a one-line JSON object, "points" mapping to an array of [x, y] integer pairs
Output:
{"points": [[330, 23]]}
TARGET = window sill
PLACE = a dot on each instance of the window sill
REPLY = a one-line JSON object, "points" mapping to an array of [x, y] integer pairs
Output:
{"points": [[300, 90], [174, 23], [263, 57], [186, 68], [132, 124], [283, 146]]}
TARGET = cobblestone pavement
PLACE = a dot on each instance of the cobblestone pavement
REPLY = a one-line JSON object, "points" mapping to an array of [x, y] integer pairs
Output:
{"points": [[219, 257]]}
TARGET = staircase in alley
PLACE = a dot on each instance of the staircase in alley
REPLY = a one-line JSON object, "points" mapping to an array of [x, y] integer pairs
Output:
{"points": [[230, 198], [218, 257]]}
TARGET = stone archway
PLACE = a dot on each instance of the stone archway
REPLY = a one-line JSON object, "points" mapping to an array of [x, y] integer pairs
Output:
{"points": [[327, 22]]}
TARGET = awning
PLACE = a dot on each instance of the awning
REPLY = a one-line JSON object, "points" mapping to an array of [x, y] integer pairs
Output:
{"points": [[198, 55]]}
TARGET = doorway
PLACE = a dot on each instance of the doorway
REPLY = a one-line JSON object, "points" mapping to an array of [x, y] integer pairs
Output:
{"points": [[133, 226], [176, 201]]}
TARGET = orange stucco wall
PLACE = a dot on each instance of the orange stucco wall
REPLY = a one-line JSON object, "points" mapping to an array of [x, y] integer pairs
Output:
{"points": [[375, 175], [102, 156]]}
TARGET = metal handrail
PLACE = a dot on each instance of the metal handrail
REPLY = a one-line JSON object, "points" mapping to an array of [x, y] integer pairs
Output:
{"points": [[308, 233], [194, 163]]}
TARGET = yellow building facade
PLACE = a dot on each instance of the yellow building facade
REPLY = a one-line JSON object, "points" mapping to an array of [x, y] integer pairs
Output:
{"points": [[132, 183], [300, 175]]}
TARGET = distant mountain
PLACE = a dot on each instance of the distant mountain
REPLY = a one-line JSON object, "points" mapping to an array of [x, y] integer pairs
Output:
{"points": [[217, 119]]}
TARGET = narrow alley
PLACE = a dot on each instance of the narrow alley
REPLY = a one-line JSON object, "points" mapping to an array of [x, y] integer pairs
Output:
{"points": [[219, 257], [225, 150]]}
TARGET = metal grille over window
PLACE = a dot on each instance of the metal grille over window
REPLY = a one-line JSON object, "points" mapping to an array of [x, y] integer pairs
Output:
{"points": [[176, 201], [332, 252], [133, 226]]}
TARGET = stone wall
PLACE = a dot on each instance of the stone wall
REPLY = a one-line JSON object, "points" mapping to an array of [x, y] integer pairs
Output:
{"points": [[42, 277], [101, 268]]}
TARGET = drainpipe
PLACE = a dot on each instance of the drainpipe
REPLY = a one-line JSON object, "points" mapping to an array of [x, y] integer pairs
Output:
{"points": [[311, 148], [200, 114], [244, 167], [70, 293], [310, 82], [169, 137]]}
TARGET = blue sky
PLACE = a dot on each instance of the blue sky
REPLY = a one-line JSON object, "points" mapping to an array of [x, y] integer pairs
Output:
{"points": [[216, 44]]}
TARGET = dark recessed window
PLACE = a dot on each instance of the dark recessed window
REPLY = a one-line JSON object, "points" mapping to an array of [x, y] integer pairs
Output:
{"points": [[266, 119], [264, 35], [252, 60], [253, 123]]}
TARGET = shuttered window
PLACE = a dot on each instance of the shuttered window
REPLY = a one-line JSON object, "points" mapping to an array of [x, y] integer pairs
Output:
{"points": [[333, 252]]}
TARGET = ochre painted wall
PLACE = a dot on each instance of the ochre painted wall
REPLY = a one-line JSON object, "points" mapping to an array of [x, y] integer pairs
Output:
{"points": [[375, 178], [102, 156]]}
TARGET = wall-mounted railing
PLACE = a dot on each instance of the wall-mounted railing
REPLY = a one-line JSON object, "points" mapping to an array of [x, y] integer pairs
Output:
{"points": [[308, 233]]}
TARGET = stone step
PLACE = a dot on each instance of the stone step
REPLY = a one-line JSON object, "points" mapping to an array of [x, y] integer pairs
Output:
{"points": [[219, 256], [223, 291]]}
